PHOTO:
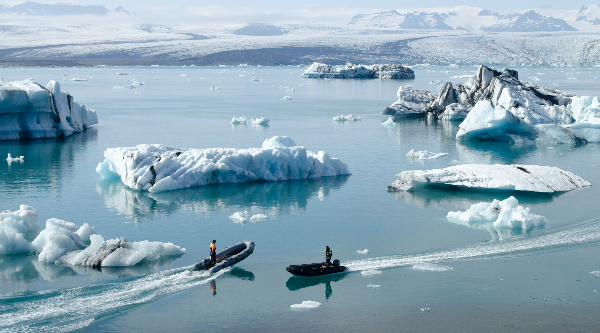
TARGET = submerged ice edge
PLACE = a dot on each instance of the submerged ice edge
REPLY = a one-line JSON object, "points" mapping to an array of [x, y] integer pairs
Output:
{"points": [[579, 235], [69, 309]]}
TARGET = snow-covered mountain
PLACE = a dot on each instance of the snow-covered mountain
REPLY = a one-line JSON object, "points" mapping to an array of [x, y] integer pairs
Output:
{"points": [[43, 9], [394, 19], [526, 22], [589, 14], [473, 19]]}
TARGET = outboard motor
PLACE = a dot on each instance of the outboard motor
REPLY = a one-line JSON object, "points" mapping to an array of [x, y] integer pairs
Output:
{"points": [[336, 262]]}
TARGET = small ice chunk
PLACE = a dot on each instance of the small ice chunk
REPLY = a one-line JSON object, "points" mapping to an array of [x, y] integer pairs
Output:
{"points": [[243, 217], [365, 251], [306, 305], [370, 272], [239, 120], [424, 309], [427, 267], [258, 217], [346, 118], [214, 88], [424, 155], [388, 122], [118, 87], [595, 274], [260, 121], [10, 159], [184, 75], [85, 231], [287, 98], [374, 286], [78, 79]]}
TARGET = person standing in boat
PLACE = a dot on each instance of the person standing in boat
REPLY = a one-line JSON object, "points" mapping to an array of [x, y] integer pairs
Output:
{"points": [[328, 254], [213, 253]]}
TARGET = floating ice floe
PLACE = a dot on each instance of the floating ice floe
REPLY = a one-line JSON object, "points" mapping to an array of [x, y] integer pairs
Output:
{"points": [[370, 272], [365, 251], [498, 217], [78, 79], [350, 71], [30, 111], [65, 242], [411, 102], [120, 73], [306, 305], [260, 121], [239, 120], [595, 274], [374, 286], [243, 217], [118, 87], [514, 177], [287, 98], [157, 168], [388, 122], [424, 155], [11, 159], [214, 88], [256, 80], [428, 267], [343, 118]]}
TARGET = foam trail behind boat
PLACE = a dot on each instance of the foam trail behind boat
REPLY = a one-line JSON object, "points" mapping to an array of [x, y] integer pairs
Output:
{"points": [[576, 236], [70, 309]]}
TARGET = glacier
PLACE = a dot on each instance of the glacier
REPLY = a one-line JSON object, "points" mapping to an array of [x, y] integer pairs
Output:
{"points": [[157, 168], [514, 177], [65, 242], [30, 111], [350, 71]]}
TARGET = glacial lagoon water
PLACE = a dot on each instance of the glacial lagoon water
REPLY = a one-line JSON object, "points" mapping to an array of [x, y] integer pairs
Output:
{"points": [[539, 281]]}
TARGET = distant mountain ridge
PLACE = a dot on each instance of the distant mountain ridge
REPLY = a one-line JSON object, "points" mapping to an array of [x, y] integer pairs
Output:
{"points": [[472, 18], [56, 9]]}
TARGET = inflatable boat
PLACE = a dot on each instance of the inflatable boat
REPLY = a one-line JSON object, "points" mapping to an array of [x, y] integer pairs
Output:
{"points": [[316, 269], [226, 257]]}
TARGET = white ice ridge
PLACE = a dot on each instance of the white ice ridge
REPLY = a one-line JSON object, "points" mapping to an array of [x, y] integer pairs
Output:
{"points": [[343, 118], [30, 111], [350, 71], [306, 305], [157, 168], [424, 155], [243, 217], [514, 177], [65, 242], [498, 217]]}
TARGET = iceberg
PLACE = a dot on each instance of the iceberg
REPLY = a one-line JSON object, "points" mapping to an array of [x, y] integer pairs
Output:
{"points": [[243, 217], [157, 168], [424, 155], [260, 121], [498, 217], [350, 71], [343, 118], [453, 112], [239, 121], [411, 102], [514, 177], [306, 305], [30, 111], [63, 242]]}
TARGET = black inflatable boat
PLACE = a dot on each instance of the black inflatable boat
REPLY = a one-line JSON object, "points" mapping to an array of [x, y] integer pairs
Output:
{"points": [[226, 257], [316, 269]]}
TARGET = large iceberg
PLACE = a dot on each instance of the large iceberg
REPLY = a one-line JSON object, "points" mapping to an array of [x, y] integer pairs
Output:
{"points": [[533, 178], [30, 111], [158, 168], [350, 71], [411, 102], [65, 242]]}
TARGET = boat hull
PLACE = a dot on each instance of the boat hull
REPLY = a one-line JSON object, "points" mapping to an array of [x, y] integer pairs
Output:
{"points": [[226, 257], [316, 269]]}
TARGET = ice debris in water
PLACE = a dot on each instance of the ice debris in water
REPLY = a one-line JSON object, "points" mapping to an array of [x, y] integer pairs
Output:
{"points": [[118, 87], [424, 155], [260, 121], [427, 267], [374, 286], [388, 122], [10, 159], [370, 272], [595, 274], [243, 217], [78, 79], [158, 168], [214, 88], [288, 98], [64, 242], [343, 118], [424, 309], [365, 251], [239, 120], [533, 178], [498, 215], [306, 305]]}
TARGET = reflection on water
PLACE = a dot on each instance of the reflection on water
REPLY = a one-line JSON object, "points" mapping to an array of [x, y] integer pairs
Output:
{"points": [[284, 196], [236, 272], [453, 198], [45, 164], [496, 233], [24, 268], [299, 282]]}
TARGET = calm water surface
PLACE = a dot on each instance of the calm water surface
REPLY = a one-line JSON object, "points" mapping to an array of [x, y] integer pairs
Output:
{"points": [[546, 287]]}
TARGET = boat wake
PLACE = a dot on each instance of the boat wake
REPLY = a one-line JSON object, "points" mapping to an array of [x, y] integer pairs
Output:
{"points": [[70, 309], [575, 236]]}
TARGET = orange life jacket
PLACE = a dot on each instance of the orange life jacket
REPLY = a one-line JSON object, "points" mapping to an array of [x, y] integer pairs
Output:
{"points": [[213, 247]]}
